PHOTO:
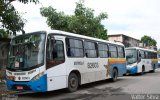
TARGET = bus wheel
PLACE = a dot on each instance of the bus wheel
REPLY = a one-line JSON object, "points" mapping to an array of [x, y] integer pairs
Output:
{"points": [[72, 82], [143, 70], [114, 75]]}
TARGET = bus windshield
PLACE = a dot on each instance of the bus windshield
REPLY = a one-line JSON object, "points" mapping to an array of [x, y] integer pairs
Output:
{"points": [[26, 52], [131, 56]]}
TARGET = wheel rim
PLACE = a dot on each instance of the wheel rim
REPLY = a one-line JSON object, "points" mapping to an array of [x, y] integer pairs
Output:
{"points": [[73, 82]]}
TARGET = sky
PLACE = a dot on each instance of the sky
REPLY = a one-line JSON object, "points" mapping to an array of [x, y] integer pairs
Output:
{"points": [[134, 18]]}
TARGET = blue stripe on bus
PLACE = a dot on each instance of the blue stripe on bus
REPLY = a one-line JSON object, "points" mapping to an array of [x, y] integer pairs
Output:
{"points": [[39, 85], [132, 70]]}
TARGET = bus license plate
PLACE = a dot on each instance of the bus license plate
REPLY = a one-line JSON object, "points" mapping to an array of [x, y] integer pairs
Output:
{"points": [[19, 87]]}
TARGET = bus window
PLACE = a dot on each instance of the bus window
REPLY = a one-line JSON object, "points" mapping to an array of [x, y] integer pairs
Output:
{"points": [[54, 53], [121, 53], [131, 56], [103, 50], [142, 55], [146, 54], [74, 48], [149, 55], [155, 55], [90, 49], [113, 51]]}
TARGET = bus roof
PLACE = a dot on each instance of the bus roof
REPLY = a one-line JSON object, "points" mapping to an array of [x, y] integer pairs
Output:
{"points": [[138, 48], [63, 33], [81, 36]]}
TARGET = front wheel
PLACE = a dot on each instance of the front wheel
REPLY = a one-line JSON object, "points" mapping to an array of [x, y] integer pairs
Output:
{"points": [[114, 75], [72, 82], [143, 70]]}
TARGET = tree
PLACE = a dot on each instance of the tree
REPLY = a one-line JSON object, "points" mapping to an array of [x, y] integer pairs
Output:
{"points": [[3, 34], [148, 41], [22, 1], [10, 19], [82, 22]]}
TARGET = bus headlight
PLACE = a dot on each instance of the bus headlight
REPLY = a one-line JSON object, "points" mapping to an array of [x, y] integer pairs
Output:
{"points": [[10, 78], [38, 76]]}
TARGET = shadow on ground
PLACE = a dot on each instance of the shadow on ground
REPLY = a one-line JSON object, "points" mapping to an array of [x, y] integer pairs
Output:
{"points": [[90, 87]]}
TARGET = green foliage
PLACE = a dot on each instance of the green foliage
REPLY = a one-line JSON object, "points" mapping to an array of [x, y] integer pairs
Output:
{"points": [[22, 1], [10, 19], [148, 40], [3, 33], [82, 22], [27, 1]]}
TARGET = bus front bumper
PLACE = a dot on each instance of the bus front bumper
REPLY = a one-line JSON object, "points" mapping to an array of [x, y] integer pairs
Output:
{"points": [[39, 85]]}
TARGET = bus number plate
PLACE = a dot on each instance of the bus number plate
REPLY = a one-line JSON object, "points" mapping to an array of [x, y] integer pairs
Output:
{"points": [[19, 87]]}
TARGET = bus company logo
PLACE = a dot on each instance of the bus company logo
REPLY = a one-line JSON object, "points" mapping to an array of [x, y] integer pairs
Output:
{"points": [[23, 73], [79, 63]]}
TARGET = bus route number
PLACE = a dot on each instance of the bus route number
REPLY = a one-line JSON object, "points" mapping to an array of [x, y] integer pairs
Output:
{"points": [[93, 65]]}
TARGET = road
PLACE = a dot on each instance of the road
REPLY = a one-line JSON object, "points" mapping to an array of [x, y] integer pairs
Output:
{"points": [[124, 88]]}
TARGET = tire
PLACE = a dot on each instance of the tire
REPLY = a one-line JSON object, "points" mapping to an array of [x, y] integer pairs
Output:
{"points": [[143, 70], [72, 82], [152, 71], [114, 75]]}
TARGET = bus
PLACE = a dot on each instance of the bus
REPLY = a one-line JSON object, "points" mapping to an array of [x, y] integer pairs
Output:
{"points": [[51, 60], [158, 60], [140, 60]]}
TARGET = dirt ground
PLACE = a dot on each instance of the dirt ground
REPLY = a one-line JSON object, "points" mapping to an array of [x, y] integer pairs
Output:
{"points": [[6, 94]]}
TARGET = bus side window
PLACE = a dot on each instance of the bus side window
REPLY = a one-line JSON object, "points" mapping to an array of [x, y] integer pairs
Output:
{"points": [[90, 49], [139, 57], [121, 53], [54, 53], [103, 50], [141, 54], [113, 51], [146, 54], [74, 47]]}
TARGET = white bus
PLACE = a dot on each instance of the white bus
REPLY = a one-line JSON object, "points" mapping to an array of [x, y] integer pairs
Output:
{"points": [[140, 60], [50, 60], [158, 60]]}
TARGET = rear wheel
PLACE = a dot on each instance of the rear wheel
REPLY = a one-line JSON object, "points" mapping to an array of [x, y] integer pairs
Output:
{"points": [[153, 69], [114, 75], [72, 82]]}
